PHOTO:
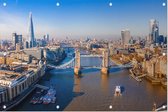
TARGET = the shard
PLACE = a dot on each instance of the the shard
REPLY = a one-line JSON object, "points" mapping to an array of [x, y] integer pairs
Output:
{"points": [[31, 39]]}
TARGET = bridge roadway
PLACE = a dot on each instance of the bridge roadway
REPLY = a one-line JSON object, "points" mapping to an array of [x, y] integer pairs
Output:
{"points": [[85, 67], [71, 64], [92, 55]]}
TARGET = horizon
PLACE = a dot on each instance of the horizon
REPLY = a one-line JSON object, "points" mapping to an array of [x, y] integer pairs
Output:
{"points": [[81, 19]]}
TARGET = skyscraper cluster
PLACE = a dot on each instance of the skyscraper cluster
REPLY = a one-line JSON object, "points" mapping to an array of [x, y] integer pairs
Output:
{"points": [[154, 38]]}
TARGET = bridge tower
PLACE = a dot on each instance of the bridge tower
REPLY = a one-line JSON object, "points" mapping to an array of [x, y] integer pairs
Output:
{"points": [[77, 62], [105, 61]]}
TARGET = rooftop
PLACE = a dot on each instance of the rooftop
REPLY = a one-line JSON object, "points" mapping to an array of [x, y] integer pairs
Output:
{"points": [[11, 75]]}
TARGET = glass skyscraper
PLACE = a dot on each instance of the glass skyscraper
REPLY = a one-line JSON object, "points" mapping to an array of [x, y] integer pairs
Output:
{"points": [[154, 31], [31, 39]]}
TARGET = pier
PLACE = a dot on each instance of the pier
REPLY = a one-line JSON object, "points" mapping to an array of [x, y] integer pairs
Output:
{"points": [[42, 87], [141, 76], [136, 78]]}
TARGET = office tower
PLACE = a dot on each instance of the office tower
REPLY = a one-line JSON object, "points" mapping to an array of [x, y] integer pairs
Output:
{"points": [[47, 37], [31, 38], [125, 34], [16, 39], [26, 44], [161, 39], [44, 37], [165, 40], [154, 31], [20, 40]]}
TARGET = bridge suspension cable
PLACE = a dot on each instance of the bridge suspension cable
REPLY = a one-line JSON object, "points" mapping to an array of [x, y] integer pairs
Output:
{"points": [[71, 64]]}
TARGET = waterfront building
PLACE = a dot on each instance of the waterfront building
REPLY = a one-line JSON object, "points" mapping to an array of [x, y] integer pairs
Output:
{"points": [[31, 38], [156, 67], [17, 78], [126, 36], [14, 83]]}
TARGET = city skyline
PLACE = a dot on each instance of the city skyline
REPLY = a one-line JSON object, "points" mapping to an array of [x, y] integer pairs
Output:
{"points": [[76, 19]]}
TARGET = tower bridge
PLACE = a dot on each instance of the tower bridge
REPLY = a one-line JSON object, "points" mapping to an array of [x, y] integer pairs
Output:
{"points": [[75, 63]]}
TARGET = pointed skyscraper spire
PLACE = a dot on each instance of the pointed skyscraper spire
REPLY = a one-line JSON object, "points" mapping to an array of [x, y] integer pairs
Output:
{"points": [[31, 32]]}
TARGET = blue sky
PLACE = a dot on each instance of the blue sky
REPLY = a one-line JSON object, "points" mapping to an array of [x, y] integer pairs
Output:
{"points": [[81, 18]]}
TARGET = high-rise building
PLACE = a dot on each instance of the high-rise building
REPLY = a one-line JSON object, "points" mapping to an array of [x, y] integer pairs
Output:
{"points": [[14, 39], [26, 44], [154, 31], [20, 40], [165, 40], [17, 39], [161, 39], [126, 36], [47, 37], [31, 38]]}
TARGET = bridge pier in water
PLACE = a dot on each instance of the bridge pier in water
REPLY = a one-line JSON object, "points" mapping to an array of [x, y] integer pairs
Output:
{"points": [[105, 62], [77, 67]]}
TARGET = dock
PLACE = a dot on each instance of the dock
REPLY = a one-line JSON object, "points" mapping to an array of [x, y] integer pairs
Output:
{"points": [[153, 80], [136, 78], [42, 87], [141, 76]]}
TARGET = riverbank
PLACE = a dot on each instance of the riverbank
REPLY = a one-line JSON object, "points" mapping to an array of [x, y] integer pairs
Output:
{"points": [[116, 61], [25, 92], [21, 97], [154, 81], [94, 91], [133, 75], [55, 56], [119, 60]]}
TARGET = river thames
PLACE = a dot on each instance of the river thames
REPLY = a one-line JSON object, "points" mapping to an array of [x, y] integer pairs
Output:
{"points": [[95, 91]]}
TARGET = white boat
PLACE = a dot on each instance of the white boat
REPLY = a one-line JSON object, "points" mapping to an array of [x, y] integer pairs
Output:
{"points": [[117, 91]]}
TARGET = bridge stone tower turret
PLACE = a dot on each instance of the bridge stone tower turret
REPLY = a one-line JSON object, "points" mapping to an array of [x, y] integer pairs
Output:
{"points": [[105, 61], [77, 62]]}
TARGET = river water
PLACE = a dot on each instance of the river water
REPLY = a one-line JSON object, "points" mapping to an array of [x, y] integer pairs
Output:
{"points": [[95, 91]]}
